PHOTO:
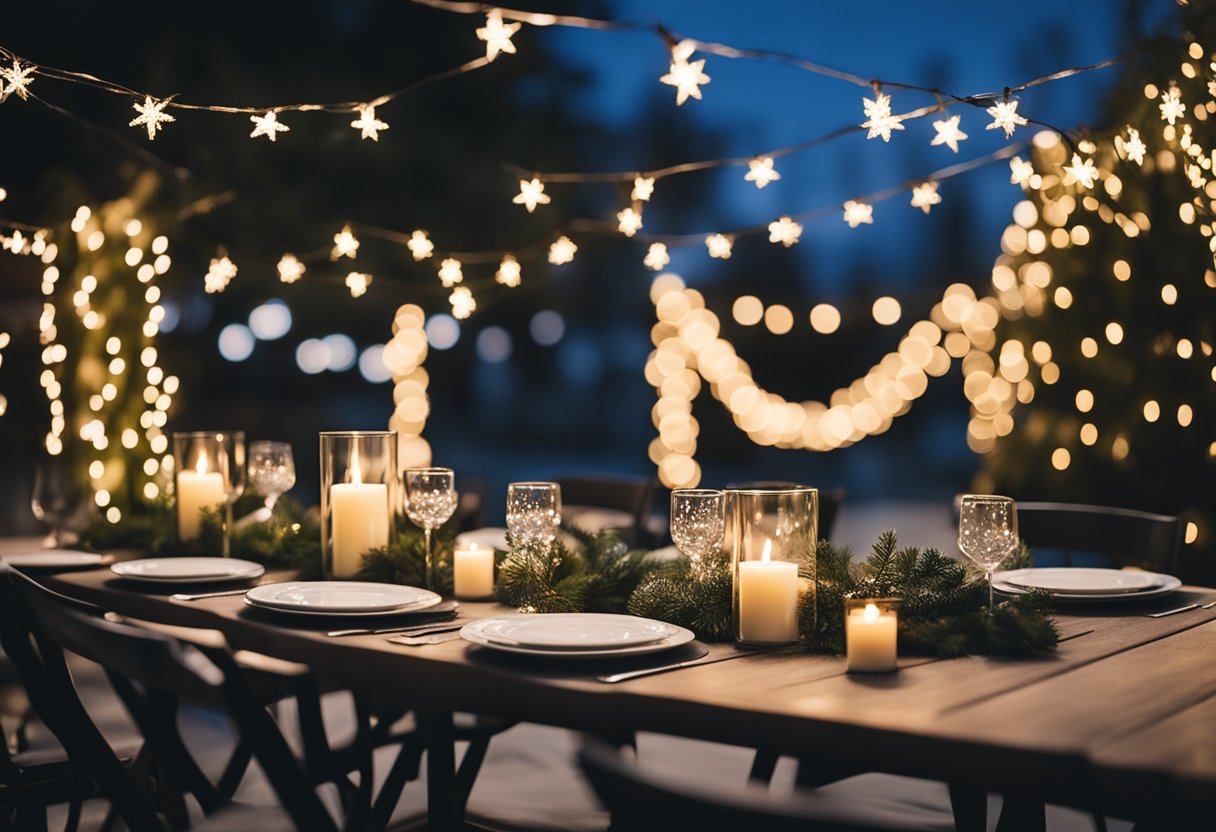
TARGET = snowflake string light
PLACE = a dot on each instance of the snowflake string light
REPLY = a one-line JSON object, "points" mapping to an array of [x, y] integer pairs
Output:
{"points": [[761, 171], [358, 282], [367, 124], [643, 188], [656, 257], [685, 76], [948, 133], [290, 268], [17, 243], [497, 35], [1020, 171], [16, 80], [219, 274], [450, 273], [420, 245], [1171, 105], [1005, 117], [879, 120], [345, 244], [463, 304], [1082, 172], [719, 246], [1133, 146], [629, 221], [267, 125], [562, 251], [152, 115], [531, 193], [509, 274], [925, 196], [858, 213], [784, 231]]}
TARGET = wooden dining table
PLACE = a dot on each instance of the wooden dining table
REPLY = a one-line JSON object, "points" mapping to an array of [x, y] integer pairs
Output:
{"points": [[1121, 719]]}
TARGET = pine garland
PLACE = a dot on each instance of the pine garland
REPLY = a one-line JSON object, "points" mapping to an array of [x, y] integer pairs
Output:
{"points": [[404, 560], [700, 601]]}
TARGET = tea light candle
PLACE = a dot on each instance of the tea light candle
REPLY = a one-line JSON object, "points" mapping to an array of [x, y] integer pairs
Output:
{"points": [[473, 572], [360, 513], [870, 637], [197, 490], [768, 599]]}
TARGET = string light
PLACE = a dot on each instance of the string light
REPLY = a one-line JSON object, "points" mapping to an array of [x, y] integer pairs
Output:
{"points": [[656, 257], [879, 120], [267, 125], [420, 245], [367, 124], [719, 246], [925, 196], [219, 274], [509, 273], [1133, 146], [404, 356], [358, 282], [562, 251], [784, 231], [948, 133], [643, 188], [463, 304], [1171, 105], [858, 213], [687, 77], [629, 221], [450, 272], [1020, 171], [152, 115], [290, 268], [1081, 172], [16, 80], [1005, 117], [761, 171], [345, 244], [531, 193], [497, 35]]}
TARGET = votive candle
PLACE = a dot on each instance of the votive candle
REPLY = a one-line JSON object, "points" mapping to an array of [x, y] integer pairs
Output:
{"points": [[473, 572], [870, 631]]}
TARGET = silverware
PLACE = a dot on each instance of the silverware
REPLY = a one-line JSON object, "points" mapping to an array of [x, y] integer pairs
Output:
{"points": [[419, 641], [181, 596], [414, 629], [651, 671], [1208, 605], [1187, 608]]}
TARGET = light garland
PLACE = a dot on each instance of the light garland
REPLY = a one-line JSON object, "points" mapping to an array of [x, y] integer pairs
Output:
{"points": [[404, 356], [948, 133]]}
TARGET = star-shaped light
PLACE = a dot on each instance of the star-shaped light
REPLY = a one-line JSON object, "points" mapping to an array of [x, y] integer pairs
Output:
{"points": [[345, 244], [17, 243], [656, 257], [719, 246], [290, 268], [1081, 171], [643, 187], [858, 213], [450, 273], [1133, 146], [367, 124], [879, 120], [152, 115], [925, 196], [629, 221], [1005, 116], [219, 274], [686, 77], [1020, 171], [948, 133], [267, 125], [784, 231], [531, 193], [509, 273], [497, 35], [420, 245], [1171, 105], [761, 171], [16, 80], [562, 251], [462, 302], [357, 282]]}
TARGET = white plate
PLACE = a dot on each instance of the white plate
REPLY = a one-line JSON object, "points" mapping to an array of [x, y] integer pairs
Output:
{"points": [[54, 559], [490, 537], [682, 637], [1081, 580], [1168, 583], [345, 597], [573, 631], [592, 519], [188, 570]]}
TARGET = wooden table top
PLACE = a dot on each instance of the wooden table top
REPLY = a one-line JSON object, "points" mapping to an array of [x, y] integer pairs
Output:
{"points": [[1123, 713]]}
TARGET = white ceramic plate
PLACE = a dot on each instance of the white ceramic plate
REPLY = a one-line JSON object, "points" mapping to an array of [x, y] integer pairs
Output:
{"points": [[490, 537], [1081, 580], [188, 570], [682, 637], [1167, 584], [341, 597], [55, 559], [573, 631], [592, 519]]}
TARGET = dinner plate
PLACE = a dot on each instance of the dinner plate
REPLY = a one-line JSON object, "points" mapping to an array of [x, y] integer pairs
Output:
{"points": [[573, 631], [55, 559], [341, 597], [490, 537], [1082, 580], [592, 519], [470, 633], [188, 570], [1167, 584]]}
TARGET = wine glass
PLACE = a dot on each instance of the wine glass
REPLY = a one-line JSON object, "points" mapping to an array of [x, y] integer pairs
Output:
{"points": [[987, 532], [430, 500], [697, 522], [58, 496], [534, 512], [272, 470]]}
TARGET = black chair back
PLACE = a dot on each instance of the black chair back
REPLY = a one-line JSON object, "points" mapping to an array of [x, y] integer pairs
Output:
{"points": [[632, 495], [1103, 536]]}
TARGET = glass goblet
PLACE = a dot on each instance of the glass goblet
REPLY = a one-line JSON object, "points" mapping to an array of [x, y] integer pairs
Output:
{"points": [[430, 501], [534, 512], [697, 522], [58, 497], [272, 470], [987, 532]]}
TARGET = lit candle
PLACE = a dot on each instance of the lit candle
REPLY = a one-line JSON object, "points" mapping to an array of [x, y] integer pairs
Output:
{"points": [[870, 639], [768, 599], [197, 490], [359, 512], [473, 572]]}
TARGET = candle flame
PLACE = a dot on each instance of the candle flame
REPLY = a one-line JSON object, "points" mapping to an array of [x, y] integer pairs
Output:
{"points": [[767, 553], [201, 466], [356, 472], [472, 547], [871, 614]]}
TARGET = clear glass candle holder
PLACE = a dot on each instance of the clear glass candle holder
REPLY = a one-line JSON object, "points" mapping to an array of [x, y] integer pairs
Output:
{"points": [[870, 634], [359, 490], [771, 534], [208, 474]]}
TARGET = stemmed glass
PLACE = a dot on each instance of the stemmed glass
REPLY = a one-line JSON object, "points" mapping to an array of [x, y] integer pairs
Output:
{"points": [[58, 495], [272, 470], [987, 532], [534, 512], [697, 522], [430, 500]]}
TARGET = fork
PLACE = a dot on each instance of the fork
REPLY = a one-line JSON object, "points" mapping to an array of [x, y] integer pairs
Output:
{"points": [[181, 596]]}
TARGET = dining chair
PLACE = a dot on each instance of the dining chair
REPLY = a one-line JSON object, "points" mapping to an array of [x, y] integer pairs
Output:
{"points": [[1084, 535], [632, 495], [830, 500]]}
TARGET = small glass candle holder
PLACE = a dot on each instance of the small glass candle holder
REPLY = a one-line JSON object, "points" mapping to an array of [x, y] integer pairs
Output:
{"points": [[771, 533], [359, 489], [209, 474], [473, 572], [870, 633]]}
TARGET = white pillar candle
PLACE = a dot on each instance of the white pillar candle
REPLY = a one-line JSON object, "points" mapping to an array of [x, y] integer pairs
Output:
{"points": [[197, 490], [870, 640], [768, 599], [359, 513], [473, 572]]}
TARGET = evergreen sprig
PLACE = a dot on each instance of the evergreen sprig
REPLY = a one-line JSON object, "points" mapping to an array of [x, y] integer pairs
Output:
{"points": [[404, 560], [699, 600]]}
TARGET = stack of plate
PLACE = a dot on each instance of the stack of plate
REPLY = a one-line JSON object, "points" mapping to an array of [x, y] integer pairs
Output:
{"points": [[183, 570], [340, 599], [576, 635], [1085, 585]]}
